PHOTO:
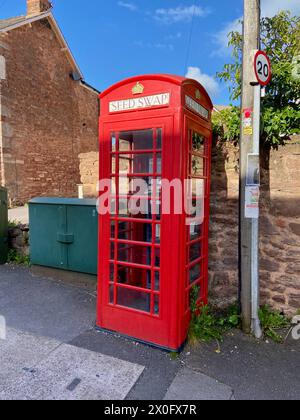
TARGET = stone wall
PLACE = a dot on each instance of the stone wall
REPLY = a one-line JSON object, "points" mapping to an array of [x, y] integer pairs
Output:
{"points": [[224, 222], [47, 119], [89, 173], [18, 239], [279, 229]]}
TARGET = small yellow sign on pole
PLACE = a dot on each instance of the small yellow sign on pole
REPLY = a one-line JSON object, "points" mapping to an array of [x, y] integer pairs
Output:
{"points": [[248, 122]]}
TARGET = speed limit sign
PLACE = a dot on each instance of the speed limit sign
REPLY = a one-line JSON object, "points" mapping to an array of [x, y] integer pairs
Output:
{"points": [[262, 67]]}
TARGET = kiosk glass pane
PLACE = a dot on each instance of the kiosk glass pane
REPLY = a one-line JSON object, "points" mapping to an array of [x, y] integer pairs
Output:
{"points": [[156, 305], [195, 251], [134, 254], [134, 231], [159, 138], [132, 276], [195, 273], [136, 140], [197, 165], [198, 143], [134, 299], [141, 163]]}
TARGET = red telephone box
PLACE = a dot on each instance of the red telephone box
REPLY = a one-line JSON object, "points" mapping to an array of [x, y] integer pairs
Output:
{"points": [[155, 129]]}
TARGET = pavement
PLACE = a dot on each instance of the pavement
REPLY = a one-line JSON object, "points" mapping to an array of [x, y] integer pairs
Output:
{"points": [[19, 215], [53, 352]]}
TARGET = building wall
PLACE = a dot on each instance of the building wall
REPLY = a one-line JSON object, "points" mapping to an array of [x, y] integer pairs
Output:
{"points": [[47, 119], [279, 224]]}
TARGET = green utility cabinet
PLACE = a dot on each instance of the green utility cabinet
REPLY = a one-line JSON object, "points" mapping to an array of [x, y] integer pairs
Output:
{"points": [[64, 234], [3, 226]]}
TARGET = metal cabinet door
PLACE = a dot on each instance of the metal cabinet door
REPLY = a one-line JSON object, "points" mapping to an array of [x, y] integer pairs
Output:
{"points": [[83, 225], [48, 228]]}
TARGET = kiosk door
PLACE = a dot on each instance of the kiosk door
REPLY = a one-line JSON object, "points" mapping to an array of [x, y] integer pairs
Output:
{"points": [[133, 285], [197, 171]]}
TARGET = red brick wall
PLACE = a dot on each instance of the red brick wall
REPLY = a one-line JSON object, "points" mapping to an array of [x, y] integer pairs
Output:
{"points": [[47, 118]]}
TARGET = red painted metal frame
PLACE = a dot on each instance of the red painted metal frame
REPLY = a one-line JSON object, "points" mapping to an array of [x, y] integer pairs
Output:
{"points": [[168, 328]]}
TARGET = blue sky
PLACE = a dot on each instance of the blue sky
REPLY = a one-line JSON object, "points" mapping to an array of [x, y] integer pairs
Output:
{"points": [[115, 39]]}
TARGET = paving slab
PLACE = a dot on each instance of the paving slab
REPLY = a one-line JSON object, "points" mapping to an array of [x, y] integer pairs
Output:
{"points": [[160, 367], [44, 307], [36, 368], [189, 385], [19, 352]]}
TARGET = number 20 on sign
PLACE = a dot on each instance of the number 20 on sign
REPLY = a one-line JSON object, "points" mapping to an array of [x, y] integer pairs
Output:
{"points": [[262, 68]]}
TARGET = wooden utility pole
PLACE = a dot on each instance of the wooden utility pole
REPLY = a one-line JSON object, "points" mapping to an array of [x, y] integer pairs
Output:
{"points": [[248, 226]]}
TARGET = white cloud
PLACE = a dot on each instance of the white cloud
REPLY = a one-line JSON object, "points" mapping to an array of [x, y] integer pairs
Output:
{"points": [[173, 37], [221, 37], [270, 8], [130, 6], [208, 82], [157, 45], [179, 14]]}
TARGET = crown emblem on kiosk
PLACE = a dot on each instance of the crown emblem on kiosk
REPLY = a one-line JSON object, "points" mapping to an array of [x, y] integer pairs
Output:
{"points": [[138, 89], [198, 94]]}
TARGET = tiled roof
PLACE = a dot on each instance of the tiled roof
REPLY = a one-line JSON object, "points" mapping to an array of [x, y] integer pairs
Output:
{"points": [[5, 23], [16, 22]]}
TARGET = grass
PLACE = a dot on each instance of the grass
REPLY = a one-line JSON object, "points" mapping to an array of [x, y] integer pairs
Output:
{"points": [[208, 324], [272, 322], [174, 356], [13, 224], [15, 258]]}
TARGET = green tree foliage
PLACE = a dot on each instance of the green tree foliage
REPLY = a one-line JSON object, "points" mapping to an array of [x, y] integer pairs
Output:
{"points": [[280, 38], [226, 124]]}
